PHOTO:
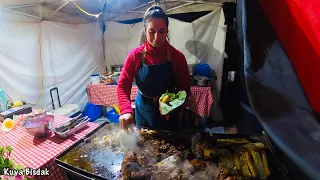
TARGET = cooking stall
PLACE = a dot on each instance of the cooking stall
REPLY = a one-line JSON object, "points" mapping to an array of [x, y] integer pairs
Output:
{"points": [[269, 94], [152, 154], [111, 153]]}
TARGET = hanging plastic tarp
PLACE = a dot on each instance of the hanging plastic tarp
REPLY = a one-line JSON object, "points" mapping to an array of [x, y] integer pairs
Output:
{"points": [[297, 23], [274, 93]]}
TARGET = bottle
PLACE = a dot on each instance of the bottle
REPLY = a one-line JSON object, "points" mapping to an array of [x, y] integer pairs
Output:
{"points": [[3, 100], [2, 96], [2, 105]]}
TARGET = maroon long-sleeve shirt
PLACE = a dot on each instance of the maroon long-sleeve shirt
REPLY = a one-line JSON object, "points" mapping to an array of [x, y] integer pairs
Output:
{"points": [[154, 56]]}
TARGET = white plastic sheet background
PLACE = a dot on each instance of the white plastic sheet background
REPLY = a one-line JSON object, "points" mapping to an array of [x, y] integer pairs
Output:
{"points": [[202, 41], [70, 54], [20, 70]]}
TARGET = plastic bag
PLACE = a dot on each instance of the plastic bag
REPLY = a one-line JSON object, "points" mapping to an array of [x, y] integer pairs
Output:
{"points": [[92, 111]]}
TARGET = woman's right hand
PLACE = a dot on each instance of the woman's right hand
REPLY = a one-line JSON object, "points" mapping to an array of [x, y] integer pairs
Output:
{"points": [[126, 120]]}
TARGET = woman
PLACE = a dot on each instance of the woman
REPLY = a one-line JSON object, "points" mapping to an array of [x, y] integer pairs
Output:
{"points": [[156, 67]]}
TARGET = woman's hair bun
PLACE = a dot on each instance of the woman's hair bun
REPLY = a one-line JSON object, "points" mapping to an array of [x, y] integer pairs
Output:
{"points": [[155, 7]]}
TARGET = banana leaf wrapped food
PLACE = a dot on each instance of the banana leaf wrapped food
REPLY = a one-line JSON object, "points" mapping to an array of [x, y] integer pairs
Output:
{"points": [[170, 101]]}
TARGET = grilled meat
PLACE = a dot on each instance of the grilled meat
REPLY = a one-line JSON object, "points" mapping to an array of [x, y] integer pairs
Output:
{"points": [[141, 175], [143, 160], [232, 178], [176, 174], [198, 164], [187, 154], [160, 159], [186, 176], [129, 164], [187, 166], [228, 173], [166, 168], [147, 133]]}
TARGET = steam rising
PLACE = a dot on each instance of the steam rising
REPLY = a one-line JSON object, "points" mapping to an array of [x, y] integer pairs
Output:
{"points": [[175, 168], [129, 140], [120, 139]]}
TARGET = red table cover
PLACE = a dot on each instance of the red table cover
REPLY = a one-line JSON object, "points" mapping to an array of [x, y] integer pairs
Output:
{"points": [[199, 101], [40, 152]]}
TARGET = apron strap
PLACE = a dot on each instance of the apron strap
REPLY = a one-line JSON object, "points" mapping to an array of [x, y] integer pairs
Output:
{"points": [[143, 57], [168, 54]]}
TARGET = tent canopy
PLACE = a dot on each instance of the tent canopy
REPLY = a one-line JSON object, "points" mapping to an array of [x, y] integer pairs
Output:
{"points": [[64, 45], [66, 11]]}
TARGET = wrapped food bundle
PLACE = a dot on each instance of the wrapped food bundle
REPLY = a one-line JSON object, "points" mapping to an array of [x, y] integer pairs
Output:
{"points": [[170, 101]]}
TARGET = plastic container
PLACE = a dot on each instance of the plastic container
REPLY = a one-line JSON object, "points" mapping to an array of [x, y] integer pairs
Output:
{"points": [[2, 94], [2, 105], [202, 70], [3, 102], [95, 79], [113, 116]]}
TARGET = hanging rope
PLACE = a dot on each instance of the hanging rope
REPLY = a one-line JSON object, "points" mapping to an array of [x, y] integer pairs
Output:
{"points": [[89, 14]]}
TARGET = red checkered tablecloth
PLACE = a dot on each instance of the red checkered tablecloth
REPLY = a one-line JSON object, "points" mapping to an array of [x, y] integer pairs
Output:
{"points": [[199, 101], [40, 152]]}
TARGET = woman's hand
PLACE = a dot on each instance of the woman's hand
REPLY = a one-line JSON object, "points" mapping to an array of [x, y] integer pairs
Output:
{"points": [[167, 117], [126, 120]]}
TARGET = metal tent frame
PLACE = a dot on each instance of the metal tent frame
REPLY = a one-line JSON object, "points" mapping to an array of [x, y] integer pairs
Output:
{"points": [[12, 9]]}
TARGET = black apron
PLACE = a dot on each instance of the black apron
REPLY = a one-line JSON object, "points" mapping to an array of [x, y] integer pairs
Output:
{"points": [[153, 81]]}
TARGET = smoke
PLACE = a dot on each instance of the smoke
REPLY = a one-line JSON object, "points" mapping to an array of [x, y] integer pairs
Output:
{"points": [[174, 168], [116, 138], [171, 167], [129, 141]]}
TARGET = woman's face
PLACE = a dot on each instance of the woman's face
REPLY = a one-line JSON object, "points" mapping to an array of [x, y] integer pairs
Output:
{"points": [[156, 31]]}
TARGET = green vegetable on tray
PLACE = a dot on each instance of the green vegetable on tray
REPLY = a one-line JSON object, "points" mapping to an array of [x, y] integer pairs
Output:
{"points": [[170, 101]]}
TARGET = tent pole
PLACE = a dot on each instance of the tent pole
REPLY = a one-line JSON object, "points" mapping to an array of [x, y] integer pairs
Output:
{"points": [[201, 2], [21, 13], [61, 6], [127, 12], [22, 6], [177, 7], [189, 2], [136, 12], [140, 6]]}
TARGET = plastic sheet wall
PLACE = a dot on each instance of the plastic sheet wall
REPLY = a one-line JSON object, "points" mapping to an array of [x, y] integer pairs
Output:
{"points": [[274, 93], [70, 54]]}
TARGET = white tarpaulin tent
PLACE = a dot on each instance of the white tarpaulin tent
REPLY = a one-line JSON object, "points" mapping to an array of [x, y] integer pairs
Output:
{"points": [[61, 55], [50, 43]]}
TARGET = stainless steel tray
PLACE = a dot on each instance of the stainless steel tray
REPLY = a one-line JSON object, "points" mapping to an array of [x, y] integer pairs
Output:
{"points": [[72, 131]]}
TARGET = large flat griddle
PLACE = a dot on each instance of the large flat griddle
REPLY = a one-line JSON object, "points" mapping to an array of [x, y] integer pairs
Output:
{"points": [[107, 161]]}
